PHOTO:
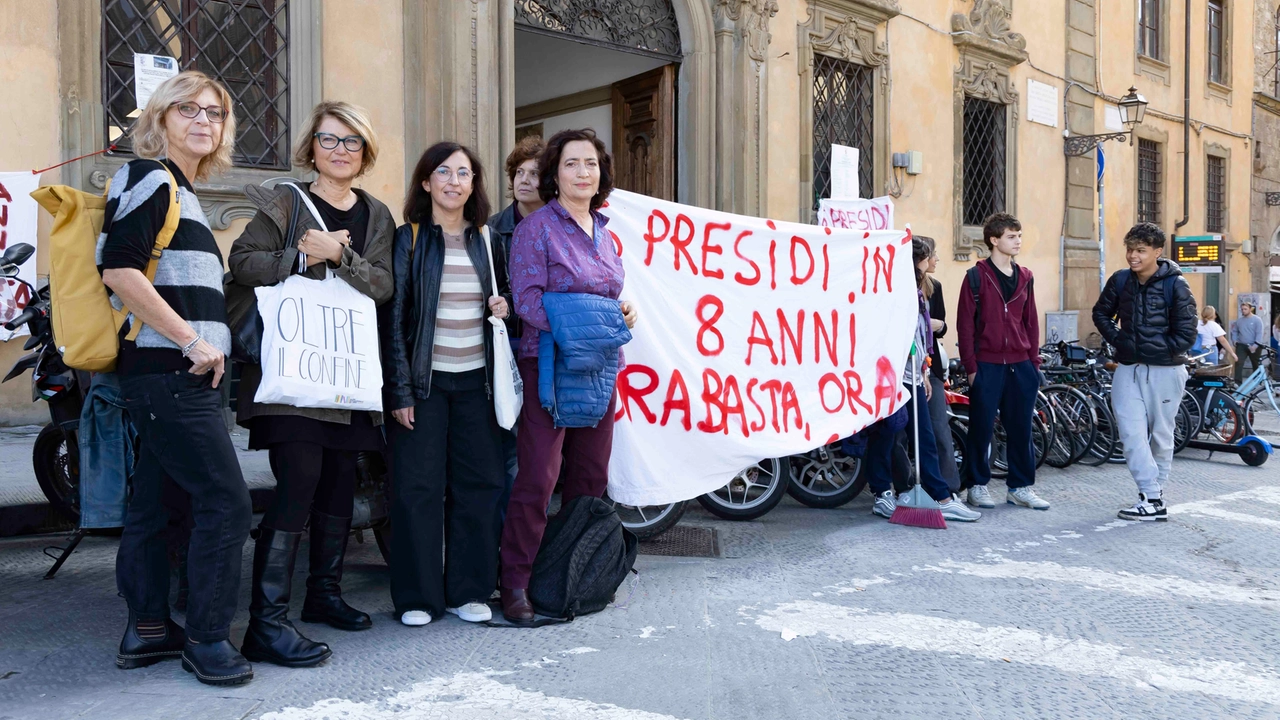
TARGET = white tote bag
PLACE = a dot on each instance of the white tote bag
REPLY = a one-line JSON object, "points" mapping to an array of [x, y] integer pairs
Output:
{"points": [[319, 343], [508, 388]]}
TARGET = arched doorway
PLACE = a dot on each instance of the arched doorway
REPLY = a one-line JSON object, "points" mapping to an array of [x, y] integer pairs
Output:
{"points": [[628, 68]]}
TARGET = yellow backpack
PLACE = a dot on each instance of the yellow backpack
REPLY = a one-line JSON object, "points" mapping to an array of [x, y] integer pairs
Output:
{"points": [[85, 326]]}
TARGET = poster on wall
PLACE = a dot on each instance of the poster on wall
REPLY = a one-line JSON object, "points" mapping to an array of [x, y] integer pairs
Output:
{"points": [[148, 72], [757, 339], [17, 225], [844, 172]]}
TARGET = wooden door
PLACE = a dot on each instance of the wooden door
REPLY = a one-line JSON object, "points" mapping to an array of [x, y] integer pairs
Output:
{"points": [[644, 159]]}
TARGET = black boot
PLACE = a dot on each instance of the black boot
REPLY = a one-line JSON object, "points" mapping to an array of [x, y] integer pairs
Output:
{"points": [[271, 637], [216, 663], [324, 602], [136, 652]]}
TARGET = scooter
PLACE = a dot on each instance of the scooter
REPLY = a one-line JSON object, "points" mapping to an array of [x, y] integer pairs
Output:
{"points": [[56, 456]]}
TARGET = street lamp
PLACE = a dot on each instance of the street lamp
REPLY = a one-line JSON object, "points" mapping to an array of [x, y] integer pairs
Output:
{"points": [[1133, 107]]}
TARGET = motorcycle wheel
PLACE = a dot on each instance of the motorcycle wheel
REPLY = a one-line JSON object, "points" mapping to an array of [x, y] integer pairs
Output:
{"points": [[58, 476], [751, 493], [648, 521], [825, 477]]}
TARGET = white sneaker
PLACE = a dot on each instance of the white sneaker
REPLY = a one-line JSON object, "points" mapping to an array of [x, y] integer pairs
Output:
{"points": [[886, 503], [1026, 497], [415, 618], [1147, 509], [953, 509], [474, 612], [979, 496]]}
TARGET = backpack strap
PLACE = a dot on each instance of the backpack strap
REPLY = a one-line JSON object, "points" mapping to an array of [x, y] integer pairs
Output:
{"points": [[162, 242]]}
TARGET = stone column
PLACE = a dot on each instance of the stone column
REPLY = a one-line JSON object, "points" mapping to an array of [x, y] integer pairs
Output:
{"points": [[742, 41], [1080, 271], [458, 66]]}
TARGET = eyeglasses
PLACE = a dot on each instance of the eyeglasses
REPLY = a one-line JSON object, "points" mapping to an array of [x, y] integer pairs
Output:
{"points": [[329, 141], [215, 113], [461, 175]]}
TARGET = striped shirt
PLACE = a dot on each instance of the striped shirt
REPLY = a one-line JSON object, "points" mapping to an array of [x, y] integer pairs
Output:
{"points": [[189, 273], [459, 338]]}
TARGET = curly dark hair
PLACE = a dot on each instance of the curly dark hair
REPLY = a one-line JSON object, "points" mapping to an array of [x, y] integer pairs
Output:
{"points": [[996, 225], [529, 148], [417, 204], [549, 165], [1145, 233]]}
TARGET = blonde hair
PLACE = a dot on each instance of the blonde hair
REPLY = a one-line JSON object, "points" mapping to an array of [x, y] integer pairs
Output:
{"points": [[354, 117], [1208, 313], [151, 138]]}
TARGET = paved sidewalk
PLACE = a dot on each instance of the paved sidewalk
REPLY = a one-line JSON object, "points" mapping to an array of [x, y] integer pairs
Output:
{"points": [[1068, 613]]}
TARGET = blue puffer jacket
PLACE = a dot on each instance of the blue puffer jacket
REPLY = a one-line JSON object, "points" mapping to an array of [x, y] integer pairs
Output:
{"points": [[578, 359]]}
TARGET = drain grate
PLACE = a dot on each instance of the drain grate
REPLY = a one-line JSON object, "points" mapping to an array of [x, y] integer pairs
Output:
{"points": [[684, 541]]}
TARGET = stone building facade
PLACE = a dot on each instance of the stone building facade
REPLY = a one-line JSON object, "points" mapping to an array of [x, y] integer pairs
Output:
{"points": [[731, 104]]}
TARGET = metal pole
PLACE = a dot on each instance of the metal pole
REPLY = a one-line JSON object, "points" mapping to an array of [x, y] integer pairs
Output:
{"points": [[1102, 233]]}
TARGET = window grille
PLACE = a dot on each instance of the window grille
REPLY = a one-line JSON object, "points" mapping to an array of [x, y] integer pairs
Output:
{"points": [[1216, 64], [985, 162], [1215, 194], [843, 114], [1150, 181], [242, 43], [1149, 20], [647, 25]]}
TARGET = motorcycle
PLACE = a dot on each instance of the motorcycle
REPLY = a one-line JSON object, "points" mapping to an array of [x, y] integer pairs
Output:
{"points": [[55, 456]]}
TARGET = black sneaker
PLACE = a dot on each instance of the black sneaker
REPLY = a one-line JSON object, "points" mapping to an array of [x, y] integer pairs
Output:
{"points": [[1147, 510]]}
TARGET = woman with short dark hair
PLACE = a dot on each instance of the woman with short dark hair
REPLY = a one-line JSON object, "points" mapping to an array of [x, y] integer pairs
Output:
{"points": [[437, 382], [563, 247]]}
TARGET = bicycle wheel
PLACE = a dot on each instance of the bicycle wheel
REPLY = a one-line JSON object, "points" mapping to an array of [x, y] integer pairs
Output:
{"points": [[1076, 425], [1262, 410], [1224, 419], [1195, 415], [1182, 429], [1106, 437]]}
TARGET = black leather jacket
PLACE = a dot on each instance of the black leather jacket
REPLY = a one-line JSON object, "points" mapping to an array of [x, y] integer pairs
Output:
{"points": [[1137, 321], [409, 332]]}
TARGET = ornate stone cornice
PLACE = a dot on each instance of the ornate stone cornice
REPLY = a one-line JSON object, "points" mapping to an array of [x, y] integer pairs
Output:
{"points": [[986, 81], [849, 39], [748, 18], [985, 30]]}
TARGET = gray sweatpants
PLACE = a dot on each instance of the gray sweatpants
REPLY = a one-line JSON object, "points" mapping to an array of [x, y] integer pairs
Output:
{"points": [[1145, 399]]}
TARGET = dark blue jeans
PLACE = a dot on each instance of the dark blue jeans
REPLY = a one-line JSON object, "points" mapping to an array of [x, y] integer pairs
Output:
{"points": [[183, 438], [1011, 390], [879, 456]]}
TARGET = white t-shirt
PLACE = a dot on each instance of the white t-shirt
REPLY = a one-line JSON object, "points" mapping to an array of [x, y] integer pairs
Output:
{"points": [[1209, 333]]}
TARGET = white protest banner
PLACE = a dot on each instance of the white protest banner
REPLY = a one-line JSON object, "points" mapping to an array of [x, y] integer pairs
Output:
{"points": [[148, 72], [319, 346], [757, 339], [17, 225], [862, 215]]}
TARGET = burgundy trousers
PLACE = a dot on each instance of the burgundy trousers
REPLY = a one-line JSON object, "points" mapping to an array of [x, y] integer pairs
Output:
{"points": [[541, 448]]}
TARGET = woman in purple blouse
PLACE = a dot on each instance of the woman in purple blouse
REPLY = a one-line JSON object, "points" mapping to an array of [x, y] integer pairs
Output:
{"points": [[563, 247]]}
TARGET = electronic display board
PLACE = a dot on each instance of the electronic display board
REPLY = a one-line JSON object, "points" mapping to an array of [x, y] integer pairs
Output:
{"points": [[1198, 250]]}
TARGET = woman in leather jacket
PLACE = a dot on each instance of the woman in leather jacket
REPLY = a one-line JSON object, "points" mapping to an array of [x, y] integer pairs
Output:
{"points": [[438, 362]]}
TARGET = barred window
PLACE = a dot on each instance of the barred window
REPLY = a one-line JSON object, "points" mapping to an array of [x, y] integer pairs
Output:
{"points": [[1150, 180], [843, 110], [985, 125], [242, 43], [1217, 66], [1215, 206], [1149, 30]]}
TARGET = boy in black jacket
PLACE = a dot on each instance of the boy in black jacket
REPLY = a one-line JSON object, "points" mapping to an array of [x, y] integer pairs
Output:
{"points": [[1157, 326]]}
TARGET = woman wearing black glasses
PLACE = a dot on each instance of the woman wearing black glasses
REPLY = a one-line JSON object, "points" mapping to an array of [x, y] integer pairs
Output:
{"points": [[312, 451]]}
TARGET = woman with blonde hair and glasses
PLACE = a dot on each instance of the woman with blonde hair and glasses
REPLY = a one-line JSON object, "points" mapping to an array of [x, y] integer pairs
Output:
{"points": [[313, 451], [172, 357]]}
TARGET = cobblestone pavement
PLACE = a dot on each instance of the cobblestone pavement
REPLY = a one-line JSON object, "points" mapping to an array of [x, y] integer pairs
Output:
{"points": [[810, 614]]}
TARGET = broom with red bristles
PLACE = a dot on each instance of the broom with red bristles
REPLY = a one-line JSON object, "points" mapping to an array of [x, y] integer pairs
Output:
{"points": [[915, 507]]}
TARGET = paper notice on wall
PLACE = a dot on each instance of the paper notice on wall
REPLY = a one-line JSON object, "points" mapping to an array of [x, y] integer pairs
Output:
{"points": [[148, 72], [18, 213], [1042, 103], [864, 215], [844, 172]]}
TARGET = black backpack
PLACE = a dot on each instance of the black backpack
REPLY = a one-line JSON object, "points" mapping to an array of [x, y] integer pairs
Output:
{"points": [[584, 557]]}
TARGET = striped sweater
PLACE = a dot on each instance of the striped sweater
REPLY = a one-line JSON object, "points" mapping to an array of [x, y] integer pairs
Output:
{"points": [[459, 338], [189, 274]]}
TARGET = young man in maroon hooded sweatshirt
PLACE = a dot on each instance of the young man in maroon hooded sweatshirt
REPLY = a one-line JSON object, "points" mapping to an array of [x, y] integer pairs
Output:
{"points": [[999, 339]]}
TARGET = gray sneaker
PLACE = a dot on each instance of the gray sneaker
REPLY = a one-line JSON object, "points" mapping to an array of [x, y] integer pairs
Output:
{"points": [[886, 503], [953, 509], [979, 496], [1026, 497]]}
